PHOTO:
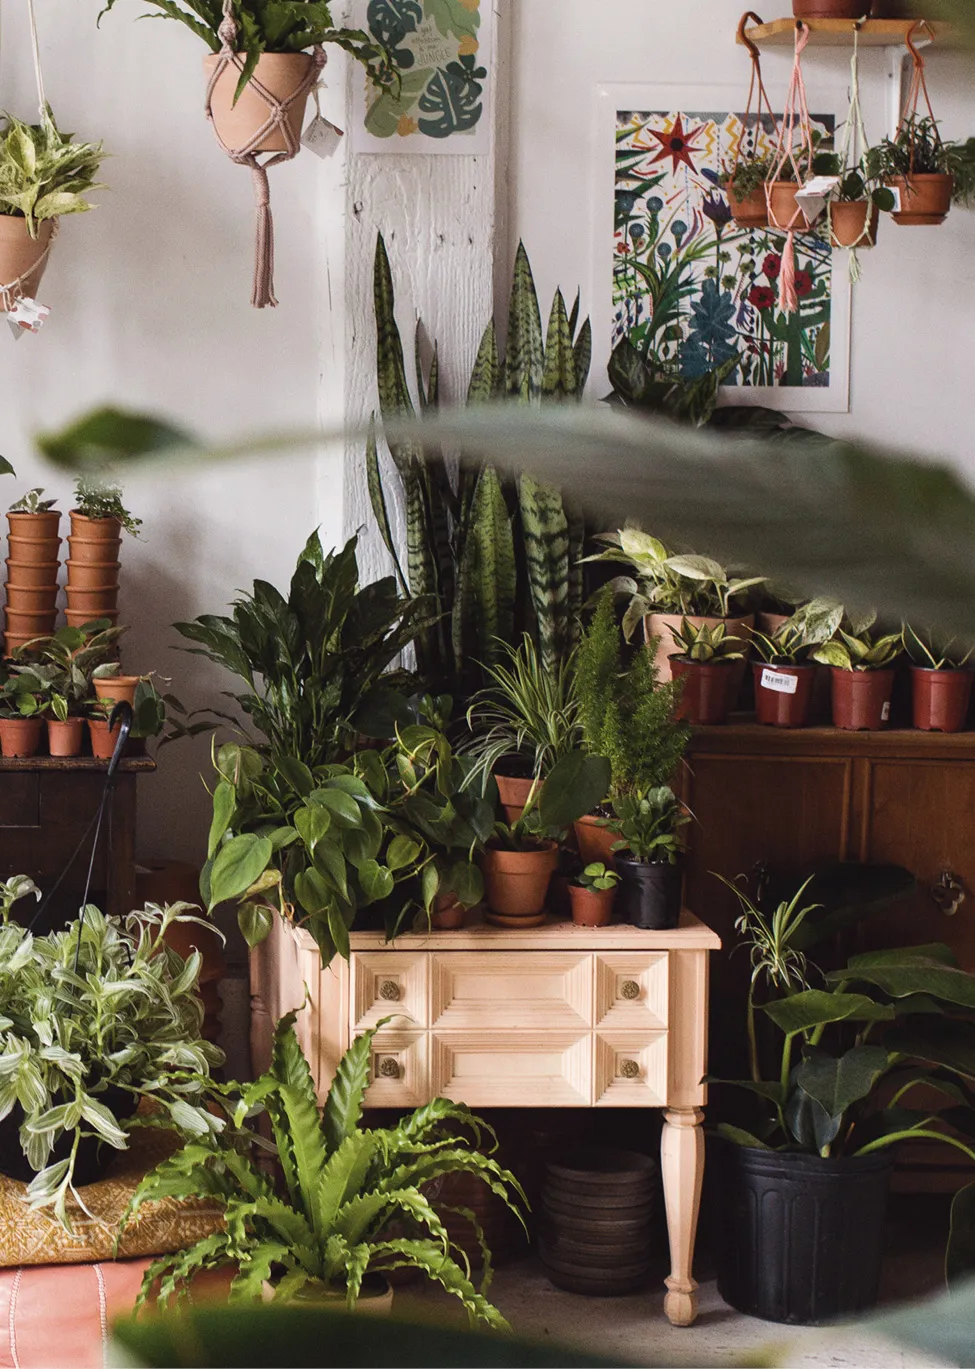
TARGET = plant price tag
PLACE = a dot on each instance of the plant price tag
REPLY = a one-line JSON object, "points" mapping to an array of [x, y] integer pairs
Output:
{"points": [[321, 137], [779, 684], [26, 316], [885, 712], [814, 194]]}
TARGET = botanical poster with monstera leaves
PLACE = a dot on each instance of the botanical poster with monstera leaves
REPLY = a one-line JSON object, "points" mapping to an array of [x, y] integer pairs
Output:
{"points": [[442, 52]]}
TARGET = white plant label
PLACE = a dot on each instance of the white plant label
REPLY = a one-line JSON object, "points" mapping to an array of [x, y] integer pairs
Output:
{"points": [[321, 137], [895, 190], [27, 316], [814, 194], [885, 712], [779, 684]]}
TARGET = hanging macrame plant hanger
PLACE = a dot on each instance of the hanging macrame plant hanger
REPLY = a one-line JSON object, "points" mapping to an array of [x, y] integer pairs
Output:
{"points": [[916, 208], [851, 153], [746, 214], [794, 150], [262, 293]]}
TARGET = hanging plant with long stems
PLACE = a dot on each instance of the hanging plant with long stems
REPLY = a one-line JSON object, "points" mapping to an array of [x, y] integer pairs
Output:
{"points": [[744, 183]]}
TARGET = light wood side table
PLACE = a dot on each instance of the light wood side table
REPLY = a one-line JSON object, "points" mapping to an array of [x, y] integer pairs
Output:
{"points": [[556, 1016]]}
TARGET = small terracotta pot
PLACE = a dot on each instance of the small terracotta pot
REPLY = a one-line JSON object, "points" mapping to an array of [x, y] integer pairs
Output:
{"points": [[516, 883], [77, 618], [103, 738], [861, 698], [785, 212], [20, 737], [769, 623], [12, 641], [281, 73], [95, 529], [65, 738], [594, 842], [750, 212], [708, 692], [513, 792], [118, 689], [21, 255], [33, 599], [36, 575], [84, 550], [33, 551], [941, 698], [35, 527], [925, 199], [86, 575], [661, 625], [783, 694], [30, 622], [848, 220], [447, 913], [831, 9], [94, 602], [592, 907]]}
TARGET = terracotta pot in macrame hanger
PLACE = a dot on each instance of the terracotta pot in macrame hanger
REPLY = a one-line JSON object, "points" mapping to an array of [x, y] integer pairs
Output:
{"points": [[794, 149], [752, 211], [925, 198], [853, 223], [281, 84]]}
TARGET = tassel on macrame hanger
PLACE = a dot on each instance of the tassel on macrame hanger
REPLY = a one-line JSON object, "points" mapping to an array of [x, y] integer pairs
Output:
{"points": [[795, 116]]}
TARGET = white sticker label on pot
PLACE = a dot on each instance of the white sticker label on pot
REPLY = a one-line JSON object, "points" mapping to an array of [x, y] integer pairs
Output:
{"points": [[321, 137], [779, 684], [885, 712], [895, 190]]}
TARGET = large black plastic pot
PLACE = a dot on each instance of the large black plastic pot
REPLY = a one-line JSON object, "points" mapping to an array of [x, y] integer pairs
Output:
{"points": [[93, 1158], [802, 1237], [648, 895]]}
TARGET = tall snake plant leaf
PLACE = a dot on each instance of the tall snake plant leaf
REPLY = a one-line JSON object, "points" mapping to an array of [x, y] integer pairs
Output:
{"points": [[582, 347], [559, 380], [377, 498], [488, 571], [546, 534], [343, 1107], [524, 353], [485, 382]]}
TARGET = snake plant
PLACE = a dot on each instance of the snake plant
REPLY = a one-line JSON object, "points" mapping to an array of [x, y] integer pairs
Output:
{"points": [[43, 174], [336, 1206], [493, 555]]}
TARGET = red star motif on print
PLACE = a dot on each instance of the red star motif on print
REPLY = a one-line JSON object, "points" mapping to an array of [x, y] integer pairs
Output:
{"points": [[677, 143]]}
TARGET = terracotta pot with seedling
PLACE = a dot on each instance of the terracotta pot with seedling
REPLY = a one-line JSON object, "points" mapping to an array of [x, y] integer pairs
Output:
{"points": [[861, 674], [704, 664], [592, 894], [97, 523], [785, 676], [941, 680], [649, 857], [21, 714]]}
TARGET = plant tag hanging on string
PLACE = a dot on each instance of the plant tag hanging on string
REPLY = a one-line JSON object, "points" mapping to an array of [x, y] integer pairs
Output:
{"points": [[814, 194], [321, 137], [26, 316]]}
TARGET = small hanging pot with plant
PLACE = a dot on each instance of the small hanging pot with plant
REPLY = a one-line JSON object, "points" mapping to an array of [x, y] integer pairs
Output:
{"points": [[705, 667], [592, 894], [941, 680], [744, 183], [861, 673], [650, 857]]}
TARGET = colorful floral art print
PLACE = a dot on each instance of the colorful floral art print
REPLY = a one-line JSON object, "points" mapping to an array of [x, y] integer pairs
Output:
{"points": [[440, 49], [692, 289]]}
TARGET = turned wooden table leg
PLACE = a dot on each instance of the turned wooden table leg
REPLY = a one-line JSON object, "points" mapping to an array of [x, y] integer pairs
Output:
{"points": [[682, 1167]]}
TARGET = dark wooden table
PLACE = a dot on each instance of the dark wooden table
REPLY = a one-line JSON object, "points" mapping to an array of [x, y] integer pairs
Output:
{"points": [[46, 805]]}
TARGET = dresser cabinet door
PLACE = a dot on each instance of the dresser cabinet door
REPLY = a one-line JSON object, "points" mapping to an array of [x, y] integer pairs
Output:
{"points": [[495, 1068], [535, 991]]}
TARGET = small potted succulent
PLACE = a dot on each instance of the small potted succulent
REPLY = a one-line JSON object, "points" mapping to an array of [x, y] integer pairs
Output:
{"points": [[649, 857], [43, 176], [704, 664], [21, 714], [592, 893], [744, 185], [861, 674], [941, 680], [918, 165]]}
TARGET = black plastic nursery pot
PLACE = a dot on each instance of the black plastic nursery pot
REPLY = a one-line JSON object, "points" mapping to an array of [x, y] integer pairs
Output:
{"points": [[802, 1238], [648, 896], [93, 1158]]}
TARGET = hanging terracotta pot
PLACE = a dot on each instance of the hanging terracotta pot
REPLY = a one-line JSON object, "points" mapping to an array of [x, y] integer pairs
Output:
{"points": [[65, 738], [595, 842], [281, 73], [661, 625], [86, 575], [925, 199], [861, 698], [750, 212], [103, 738], [117, 688], [513, 791], [98, 549], [30, 551], [941, 698], [36, 575], [784, 210], [831, 9], [32, 598], [516, 883], [783, 694], [22, 256], [849, 226], [591, 907], [94, 602], [20, 737], [709, 690]]}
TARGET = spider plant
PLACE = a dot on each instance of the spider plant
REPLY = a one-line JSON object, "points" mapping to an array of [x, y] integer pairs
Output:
{"points": [[527, 712], [327, 1216]]}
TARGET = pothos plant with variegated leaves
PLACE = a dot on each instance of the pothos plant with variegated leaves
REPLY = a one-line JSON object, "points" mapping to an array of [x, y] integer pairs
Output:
{"points": [[345, 1201], [43, 172], [95, 1019]]}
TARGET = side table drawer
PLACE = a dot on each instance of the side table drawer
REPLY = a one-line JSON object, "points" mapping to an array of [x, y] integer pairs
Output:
{"points": [[630, 1069], [632, 990], [497, 990], [389, 984], [399, 1074], [512, 1069]]}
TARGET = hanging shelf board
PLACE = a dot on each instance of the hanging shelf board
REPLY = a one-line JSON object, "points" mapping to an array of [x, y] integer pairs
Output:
{"points": [[875, 33]]}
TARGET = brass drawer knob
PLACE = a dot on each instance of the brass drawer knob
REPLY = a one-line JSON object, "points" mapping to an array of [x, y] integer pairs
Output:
{"points": [[629, 1069], [388, 1068], [389, 990], [629, 989]]}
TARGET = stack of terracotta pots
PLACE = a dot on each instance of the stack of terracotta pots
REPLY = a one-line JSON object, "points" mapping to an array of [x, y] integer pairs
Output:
{"points": [[93, 567], [32, 577]]}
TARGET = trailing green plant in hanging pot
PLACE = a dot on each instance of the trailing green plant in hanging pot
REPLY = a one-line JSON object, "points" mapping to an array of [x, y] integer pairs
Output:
{"points": [[941, 680], [919, 166], [853, 210], [862, 674], [744, 184], [326, 1217], [43, 176], [704, 664]]}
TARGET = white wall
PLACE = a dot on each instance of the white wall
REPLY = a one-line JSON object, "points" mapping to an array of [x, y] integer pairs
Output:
{"points": [[150, 299], [913, 324]]}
